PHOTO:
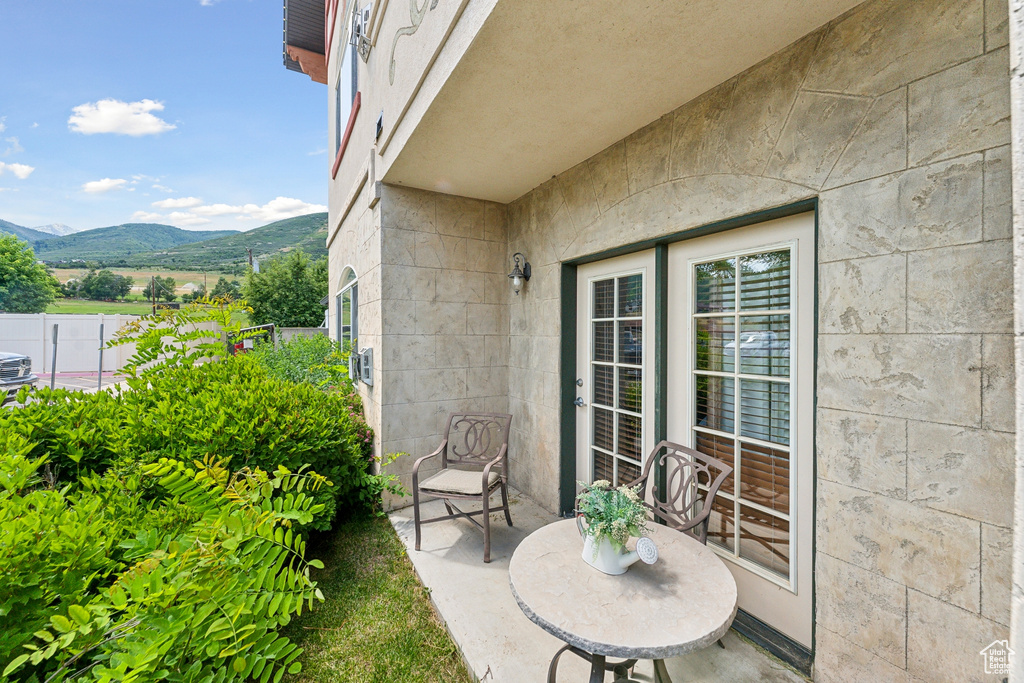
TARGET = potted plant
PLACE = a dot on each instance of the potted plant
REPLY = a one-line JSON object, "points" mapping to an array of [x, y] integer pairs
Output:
{"points": [[612, 517]]}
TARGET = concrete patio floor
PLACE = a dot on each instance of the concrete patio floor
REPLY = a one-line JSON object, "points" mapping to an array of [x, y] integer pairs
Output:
{"points": [[498, 642]]}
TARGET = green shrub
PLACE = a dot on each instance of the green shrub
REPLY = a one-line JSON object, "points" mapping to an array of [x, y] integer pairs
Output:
{"points": [[230, 410], [315, 360], [192, 586]]}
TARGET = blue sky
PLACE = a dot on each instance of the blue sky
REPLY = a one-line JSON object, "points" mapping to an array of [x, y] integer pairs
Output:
{"points": [[166, 111]]}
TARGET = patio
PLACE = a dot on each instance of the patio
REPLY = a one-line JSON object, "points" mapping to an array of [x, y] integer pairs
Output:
{"points": [[497, 640]]}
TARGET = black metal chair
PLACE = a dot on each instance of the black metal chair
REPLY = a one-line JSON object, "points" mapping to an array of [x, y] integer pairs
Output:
{"points": [[474, 463], [691, 482]]}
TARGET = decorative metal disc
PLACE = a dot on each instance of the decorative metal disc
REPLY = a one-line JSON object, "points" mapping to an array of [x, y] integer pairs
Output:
{"points": [[646, 549]]}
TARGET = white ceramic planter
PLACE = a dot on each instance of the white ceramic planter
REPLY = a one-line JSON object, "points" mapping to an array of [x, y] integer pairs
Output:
{"points": [[603, 556]]}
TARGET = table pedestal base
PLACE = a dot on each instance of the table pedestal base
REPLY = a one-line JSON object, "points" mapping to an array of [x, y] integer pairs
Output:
{"points": [[598, 666]]}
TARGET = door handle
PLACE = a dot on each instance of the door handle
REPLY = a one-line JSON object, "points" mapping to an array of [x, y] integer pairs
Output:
{"points": [[579, 402]]}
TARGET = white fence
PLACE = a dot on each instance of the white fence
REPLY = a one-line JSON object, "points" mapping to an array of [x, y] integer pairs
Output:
{"points": [[78, 340]]}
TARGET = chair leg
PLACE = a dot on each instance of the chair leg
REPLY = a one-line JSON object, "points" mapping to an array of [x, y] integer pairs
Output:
{"points": [[721, 644], [504, 501], [487, 525], [661, 672], [416, 514]]}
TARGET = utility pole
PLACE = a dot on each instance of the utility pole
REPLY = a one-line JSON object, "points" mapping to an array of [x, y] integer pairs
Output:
{"points": [[250, 256], [152, 290]]}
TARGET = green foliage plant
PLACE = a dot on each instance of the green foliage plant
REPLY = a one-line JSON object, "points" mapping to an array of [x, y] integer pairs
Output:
{"points": [[315, 360], [617, 514], [179, 337], [26, 286], [203, 603], [287, 291]]}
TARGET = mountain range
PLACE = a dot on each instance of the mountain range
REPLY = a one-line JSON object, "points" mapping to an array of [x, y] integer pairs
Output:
{"points": [[57, 229], [157, 245]]}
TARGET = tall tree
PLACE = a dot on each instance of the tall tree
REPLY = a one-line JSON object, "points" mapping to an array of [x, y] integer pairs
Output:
{"points": [[287, 291], [26, 286]]}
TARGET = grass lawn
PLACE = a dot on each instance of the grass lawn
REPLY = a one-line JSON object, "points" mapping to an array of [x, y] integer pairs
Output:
{"points": [[377, 623], [83, 306]]}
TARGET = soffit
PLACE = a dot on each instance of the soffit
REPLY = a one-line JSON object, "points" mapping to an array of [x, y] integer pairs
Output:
{"points": [[548, 83], [303, 28]]}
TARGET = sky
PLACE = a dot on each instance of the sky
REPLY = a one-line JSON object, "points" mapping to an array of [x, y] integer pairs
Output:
{"points": [[158, 111]]}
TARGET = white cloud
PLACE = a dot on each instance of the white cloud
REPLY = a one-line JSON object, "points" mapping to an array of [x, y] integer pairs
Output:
{"points": [[104, 185], [146, 216], [162, 188], [180, 203], [280, 208], [20, 170], [217, 210], [14, 148], [115, 116], [3, 126], [316, 153], [34, 125], [185, 218], [208, 3]]}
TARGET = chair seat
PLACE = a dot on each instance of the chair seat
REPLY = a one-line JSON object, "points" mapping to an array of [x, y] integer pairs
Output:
{"points": [[459, 482]]}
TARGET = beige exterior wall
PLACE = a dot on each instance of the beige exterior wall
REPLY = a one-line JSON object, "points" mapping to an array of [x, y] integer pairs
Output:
{"points": [[896, 117]]}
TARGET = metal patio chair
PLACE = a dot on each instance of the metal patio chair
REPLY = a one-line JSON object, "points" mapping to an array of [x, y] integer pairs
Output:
{"points": [[692, 480], [474, 463]]}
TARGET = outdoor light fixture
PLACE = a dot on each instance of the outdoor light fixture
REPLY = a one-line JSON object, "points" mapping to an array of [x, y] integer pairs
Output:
{"points": [[520, 273]]}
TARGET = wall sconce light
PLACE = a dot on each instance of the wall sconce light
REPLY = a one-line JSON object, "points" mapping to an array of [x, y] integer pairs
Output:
{"points": [[520, 272]]}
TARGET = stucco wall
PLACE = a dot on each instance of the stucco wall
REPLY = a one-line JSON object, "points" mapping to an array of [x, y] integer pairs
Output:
{"points": [[896, 116]]}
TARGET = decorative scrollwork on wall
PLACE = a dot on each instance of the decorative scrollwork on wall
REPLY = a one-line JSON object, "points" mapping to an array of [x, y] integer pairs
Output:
{"points": [[416, 14]]}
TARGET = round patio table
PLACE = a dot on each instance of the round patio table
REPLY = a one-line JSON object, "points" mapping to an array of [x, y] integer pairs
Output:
{"points": [[683, 602]]}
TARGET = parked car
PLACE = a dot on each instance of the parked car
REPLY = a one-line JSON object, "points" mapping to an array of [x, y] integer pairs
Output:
{"points": [[15, 372]]}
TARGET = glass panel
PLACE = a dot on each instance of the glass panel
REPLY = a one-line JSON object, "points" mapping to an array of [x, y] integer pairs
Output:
{"points": [[630, 444], [715, 402], [721, 447], [764, 345], [604, 342], [631, 389], [765, 476], [631, 296], [716, 343], [604, 385], [715, 289], [721, 523], [604, 299], [603, 464], [764, 280], [627, 474], [604, 429], [764, 411], [631, 342], [764, 538]]}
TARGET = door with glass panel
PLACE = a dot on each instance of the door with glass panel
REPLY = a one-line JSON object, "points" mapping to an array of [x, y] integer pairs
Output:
{"points": [[741, 307], [614, 429]]}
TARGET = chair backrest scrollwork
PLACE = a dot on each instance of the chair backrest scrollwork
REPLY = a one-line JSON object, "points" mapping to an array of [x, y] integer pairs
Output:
{"points": [[474, 439], [692, 480]]}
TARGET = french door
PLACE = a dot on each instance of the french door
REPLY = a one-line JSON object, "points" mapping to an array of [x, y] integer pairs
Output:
{"points": [[615, 389], [740, 389], [740, 311]]}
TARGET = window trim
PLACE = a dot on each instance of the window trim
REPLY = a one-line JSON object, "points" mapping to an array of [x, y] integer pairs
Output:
{"points": [[349, 283], [348, 133]]}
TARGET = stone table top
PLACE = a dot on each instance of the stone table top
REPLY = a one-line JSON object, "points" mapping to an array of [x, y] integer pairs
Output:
{"points": [[684, 602]]}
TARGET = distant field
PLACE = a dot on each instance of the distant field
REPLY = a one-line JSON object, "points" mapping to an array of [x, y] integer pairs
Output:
{"points": [[142, 275], [77, 306]]}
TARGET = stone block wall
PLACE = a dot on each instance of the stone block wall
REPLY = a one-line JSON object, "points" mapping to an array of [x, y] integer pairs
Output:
{"points": [[444, 316], [896, 116], [355, 242]]}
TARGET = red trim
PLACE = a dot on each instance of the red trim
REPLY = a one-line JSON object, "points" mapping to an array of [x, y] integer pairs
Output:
{"points": [[348, 133], [331, 13]]}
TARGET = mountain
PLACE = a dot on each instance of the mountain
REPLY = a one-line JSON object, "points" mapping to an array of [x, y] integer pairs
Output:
{"points": [[116, 243], [228, 253], [58, 229], [23, 233]]}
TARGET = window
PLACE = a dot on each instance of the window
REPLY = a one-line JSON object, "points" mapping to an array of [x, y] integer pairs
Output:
{"points": [[347, 307], [345, 93]]}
